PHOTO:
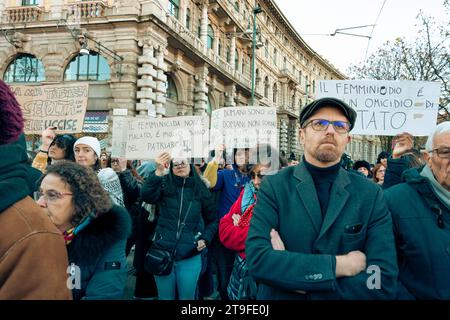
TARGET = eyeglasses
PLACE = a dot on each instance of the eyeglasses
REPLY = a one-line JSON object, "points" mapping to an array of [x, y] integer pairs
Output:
{"points": [[180, 163], [51, 195], [442, 152], [340, 127], [259, 175]]}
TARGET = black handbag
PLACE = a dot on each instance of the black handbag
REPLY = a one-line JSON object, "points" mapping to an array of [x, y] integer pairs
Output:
{"points": [[159, 261]]}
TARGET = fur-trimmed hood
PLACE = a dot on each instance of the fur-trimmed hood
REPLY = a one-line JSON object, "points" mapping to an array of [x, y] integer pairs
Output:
{"points": [[104, 230]]}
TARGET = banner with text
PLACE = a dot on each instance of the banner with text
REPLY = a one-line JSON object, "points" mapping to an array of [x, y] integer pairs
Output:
{"points": [[386, 108], [62, 106], [243, 127], [145, 138]]}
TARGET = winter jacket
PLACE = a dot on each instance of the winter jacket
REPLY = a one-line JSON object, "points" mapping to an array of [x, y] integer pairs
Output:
{"points": [[33, 257], [175, 198], [423, 242], [229, 182], [357, 218], [234, 237], [98, 250]]}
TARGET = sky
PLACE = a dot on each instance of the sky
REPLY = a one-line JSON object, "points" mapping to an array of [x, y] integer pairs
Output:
{"points": [[397, 19]]}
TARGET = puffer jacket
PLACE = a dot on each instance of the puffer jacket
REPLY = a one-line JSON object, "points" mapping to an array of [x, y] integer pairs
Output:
{"points": [[175, 198]]}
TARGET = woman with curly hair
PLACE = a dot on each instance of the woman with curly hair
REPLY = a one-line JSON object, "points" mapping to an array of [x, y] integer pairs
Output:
{"points": [[95, 230]]}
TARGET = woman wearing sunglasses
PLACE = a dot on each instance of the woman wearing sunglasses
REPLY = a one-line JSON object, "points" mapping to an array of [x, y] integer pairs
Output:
{"points": [[54, 148], [95, 230], [233, 227], [186, 210]]}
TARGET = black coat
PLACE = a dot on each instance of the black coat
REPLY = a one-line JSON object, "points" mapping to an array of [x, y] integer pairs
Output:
{"points": [[357, 218], [423, 247], [99, 253], [174, 196]]}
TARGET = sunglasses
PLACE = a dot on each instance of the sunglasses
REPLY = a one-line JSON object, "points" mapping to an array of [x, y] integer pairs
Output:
{"points": [[259, 175], [180, 163]]}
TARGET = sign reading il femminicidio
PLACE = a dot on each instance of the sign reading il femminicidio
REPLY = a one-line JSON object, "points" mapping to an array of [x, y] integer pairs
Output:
{"points": [[387, 108]]}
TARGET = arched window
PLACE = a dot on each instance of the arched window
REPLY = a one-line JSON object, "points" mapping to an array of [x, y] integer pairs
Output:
{"points": [[236, 6], [275, 56], [275, 93], [209, 107], [210, 37], [266, 87], [266, 49], [25, 68], [174, 8], [171, 89], [188, 19], [87, 67]]}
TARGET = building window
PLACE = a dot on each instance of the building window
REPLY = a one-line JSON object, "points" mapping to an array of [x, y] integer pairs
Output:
{"points": [[171, 89], [210, 37], [30, 3], [219, 48], [25, 68], [284, 63], [275, 56], [209, 107], [266, 87], [228, 54], [266, 49], [199, 27], [188, 18], [236, 6], [306, 84], [87, 67], [275, 93], [236, 60], [300, 76], [174, 8], [314, 86]]}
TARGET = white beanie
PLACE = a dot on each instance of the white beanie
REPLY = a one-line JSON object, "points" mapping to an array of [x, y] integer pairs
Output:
{"points": [[91, 142], [110, 182]]}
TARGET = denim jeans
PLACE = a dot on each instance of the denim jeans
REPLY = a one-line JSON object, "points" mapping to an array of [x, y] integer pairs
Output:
{"points": [[182, 280]]}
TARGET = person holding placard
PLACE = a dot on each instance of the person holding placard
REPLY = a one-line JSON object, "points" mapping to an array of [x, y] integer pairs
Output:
{"points": [[186, 223], [230, 184], [53, 148]]}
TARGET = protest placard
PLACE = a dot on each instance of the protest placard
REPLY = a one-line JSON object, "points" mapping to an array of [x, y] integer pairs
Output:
{"points": [[62, 106], [243, 127], [145, 138], [387, 108]]}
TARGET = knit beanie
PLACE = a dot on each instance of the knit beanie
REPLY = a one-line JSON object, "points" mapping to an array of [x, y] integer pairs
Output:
{"points": [[91, 142], [111, 183], [11, 118]]}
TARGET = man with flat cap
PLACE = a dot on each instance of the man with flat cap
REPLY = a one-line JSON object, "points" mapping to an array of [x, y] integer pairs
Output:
{"points": [[319, 231]]}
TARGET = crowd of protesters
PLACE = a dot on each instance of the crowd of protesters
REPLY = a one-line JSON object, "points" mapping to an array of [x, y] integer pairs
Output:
{"points": [[246, 223]]}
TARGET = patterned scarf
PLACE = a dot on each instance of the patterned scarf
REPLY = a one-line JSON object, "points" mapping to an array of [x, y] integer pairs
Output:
{"points": [[68, 235], [72, 232]]}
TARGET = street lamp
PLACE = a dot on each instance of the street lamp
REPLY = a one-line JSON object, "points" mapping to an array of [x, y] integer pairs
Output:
{"points": [[256, 10]]}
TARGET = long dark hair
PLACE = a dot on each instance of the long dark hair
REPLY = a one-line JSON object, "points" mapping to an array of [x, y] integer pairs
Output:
{"points": [[65, 142]]}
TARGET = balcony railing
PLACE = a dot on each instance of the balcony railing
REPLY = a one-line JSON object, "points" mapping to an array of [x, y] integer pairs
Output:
{"points": [[87, 9], [23, 14], [285, 72]]}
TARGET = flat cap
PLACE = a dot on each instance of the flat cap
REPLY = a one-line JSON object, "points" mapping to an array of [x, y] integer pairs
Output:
{"points": [[312, 107]]}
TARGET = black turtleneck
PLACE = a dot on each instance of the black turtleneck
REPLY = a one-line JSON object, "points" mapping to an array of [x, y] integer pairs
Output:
{"points": [[323, 180]]}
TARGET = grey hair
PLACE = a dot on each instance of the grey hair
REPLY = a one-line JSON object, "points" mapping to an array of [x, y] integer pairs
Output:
{"points": [[443, 127]]}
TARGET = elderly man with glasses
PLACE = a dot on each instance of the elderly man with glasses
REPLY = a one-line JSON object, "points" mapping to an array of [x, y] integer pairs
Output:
{"points": [[422, 222], [319, 231]]}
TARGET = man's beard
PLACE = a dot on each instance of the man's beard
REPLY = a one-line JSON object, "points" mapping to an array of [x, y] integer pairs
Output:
{"points": [[326, 155]]}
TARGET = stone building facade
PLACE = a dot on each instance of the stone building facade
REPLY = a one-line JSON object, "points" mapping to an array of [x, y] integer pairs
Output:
{"points": [[166, 58]]}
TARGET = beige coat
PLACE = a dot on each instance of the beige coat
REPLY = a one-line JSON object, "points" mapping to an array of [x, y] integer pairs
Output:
{"points": [[33, 256]]}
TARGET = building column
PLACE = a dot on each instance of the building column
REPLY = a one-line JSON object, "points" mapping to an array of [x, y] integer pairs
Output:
{"points": [[230, 95], [201, 90], [283, 134], [233, 52], [151, 86], [204, 23], [284, 95]]}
